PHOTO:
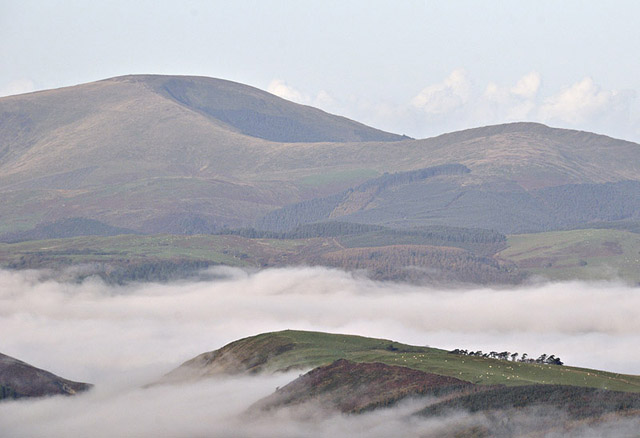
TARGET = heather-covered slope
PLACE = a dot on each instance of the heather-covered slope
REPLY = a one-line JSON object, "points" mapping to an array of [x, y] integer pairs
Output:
{"points": [[578, 403], [352, 387]]}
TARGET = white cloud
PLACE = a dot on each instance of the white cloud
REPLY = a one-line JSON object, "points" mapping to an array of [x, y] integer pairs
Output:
{"points": [[528, 86], [460, 102], [18, 86], [323, 99], [281, 89], [456, 103], [495, 93], [446, 96], [511, 103], [578, 103]]}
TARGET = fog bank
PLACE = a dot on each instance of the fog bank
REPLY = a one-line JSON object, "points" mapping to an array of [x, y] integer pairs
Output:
{"points": [[217, 408], [121, 337], [95, 332]]}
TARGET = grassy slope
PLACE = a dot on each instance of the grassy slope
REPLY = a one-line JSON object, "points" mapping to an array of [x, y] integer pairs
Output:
{"points": [[311, 349], [577, 254], [228, 250]]}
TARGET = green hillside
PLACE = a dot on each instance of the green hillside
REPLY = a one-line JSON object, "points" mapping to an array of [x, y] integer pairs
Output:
{"points": [[435, 255], [588, 254], [290, 349]]}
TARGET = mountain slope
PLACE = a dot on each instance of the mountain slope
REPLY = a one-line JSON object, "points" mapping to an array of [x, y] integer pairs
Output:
{"points": [[19, 379], [191, 155], [447, 198], [577, 402], [126, 152], [259, 114], [352, 387]]}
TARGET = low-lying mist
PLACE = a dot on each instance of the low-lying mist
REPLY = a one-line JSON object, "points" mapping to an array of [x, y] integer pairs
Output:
{"points": [[122, 337], [218, 408]]}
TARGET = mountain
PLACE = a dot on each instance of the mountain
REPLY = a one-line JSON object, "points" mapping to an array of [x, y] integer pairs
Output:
{"points": [[152, 152], [157, 155], [19, 379], [189, 155]]}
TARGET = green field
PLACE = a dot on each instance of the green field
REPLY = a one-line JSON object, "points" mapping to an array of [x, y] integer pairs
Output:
{"points": [[151, 257], [125, 247], [302, 350], [589, 254], [338, 176]]}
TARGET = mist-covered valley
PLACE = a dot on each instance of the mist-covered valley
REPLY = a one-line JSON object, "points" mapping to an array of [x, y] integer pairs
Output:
{"points": [[270, 219], [121, 338]]}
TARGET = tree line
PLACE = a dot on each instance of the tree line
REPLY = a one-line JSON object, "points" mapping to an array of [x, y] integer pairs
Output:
{"points": [[513, 357]]}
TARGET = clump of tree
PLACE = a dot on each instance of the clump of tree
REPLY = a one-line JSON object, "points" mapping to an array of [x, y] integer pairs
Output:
{"points": [[7, 392], [512, 357], [421, 264], [306, 231]]}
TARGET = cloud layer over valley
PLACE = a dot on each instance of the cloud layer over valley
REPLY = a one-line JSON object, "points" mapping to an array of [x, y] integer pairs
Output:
{"points": [[121, 338]]}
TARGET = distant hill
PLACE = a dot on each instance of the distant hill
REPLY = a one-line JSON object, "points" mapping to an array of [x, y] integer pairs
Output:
{"points": [[71, 227], [19, 379], [188, 155]]}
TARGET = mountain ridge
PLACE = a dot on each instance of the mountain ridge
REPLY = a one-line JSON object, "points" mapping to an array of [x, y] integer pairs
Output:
{"points": [[181, 154]]}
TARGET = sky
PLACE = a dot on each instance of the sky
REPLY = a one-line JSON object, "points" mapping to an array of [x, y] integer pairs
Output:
{"points": [[419, 68]]}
